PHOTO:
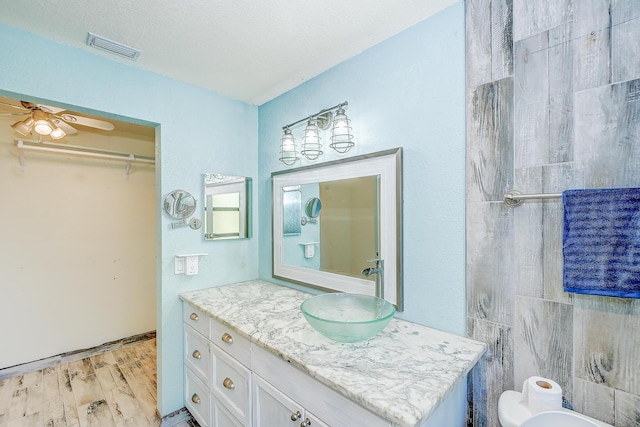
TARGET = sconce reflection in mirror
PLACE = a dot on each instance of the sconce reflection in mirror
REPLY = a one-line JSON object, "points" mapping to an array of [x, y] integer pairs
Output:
{"points": [[227, 210]]}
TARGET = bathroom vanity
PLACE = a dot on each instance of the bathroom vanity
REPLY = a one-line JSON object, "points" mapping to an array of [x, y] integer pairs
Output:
{"points": [[251, 359]]}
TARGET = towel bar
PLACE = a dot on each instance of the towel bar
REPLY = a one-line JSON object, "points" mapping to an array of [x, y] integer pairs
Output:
{"points": [[514, 198]]}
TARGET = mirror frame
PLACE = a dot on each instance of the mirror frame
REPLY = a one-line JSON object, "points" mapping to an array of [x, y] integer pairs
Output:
{"points": [[388, 165]]}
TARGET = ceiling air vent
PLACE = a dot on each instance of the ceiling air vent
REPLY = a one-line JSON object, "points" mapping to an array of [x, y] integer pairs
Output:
{"points": [[110, 46]]}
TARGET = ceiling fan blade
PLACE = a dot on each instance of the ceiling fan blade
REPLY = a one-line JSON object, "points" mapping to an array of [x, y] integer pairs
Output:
{"points": [[68, 129], [50, 109], [46, 108], [86, 121], [14, 106]]}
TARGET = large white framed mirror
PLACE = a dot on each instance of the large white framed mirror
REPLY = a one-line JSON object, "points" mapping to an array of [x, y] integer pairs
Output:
{"points": [[334, 220]]}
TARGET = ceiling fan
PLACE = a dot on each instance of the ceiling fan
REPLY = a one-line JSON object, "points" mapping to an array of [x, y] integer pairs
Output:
{"points": [[52, 121]]}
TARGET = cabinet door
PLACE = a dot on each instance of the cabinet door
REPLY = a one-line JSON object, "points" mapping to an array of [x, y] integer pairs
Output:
{"points": [[220, 417], [197, 398], [272, 408]]}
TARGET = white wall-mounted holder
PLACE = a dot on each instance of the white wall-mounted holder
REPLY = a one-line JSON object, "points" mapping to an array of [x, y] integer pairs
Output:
{"points": [[309, 249], [187, 263]]}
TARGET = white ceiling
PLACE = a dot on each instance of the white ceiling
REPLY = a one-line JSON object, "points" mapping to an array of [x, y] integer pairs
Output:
{"points": [[250, 50]]}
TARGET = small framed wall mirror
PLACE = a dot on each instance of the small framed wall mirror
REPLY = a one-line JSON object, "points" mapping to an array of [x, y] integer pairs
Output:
{"points": [[336, 223], [227, 206]]}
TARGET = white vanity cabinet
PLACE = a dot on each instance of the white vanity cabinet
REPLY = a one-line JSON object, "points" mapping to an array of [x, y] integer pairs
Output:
{"points": [[230, 382]]}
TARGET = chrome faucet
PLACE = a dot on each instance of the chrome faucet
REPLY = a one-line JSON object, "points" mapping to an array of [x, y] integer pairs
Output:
{"points": [[378, 270]]}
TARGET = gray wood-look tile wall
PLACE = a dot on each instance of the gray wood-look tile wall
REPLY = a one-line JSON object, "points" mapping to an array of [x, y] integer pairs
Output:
{"points": [[553, 103]]}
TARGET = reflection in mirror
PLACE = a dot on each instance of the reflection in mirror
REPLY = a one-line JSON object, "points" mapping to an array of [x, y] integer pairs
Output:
{"points": [[227, 207], [179, 204], [291, 204], [360, 201], [313, 207], [349, 225]]}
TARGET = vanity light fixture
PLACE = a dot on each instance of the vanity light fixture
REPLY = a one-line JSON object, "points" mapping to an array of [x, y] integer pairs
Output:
{"points": [[288, 152], [341, 136]]}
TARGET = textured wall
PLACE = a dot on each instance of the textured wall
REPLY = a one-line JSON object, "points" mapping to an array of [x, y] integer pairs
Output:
{"points": [[552, 104], [405, 92]]}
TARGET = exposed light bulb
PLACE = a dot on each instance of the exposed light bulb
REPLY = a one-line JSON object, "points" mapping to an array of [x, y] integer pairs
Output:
{"points": [[311, 146], [341, 138], [288, 153]]}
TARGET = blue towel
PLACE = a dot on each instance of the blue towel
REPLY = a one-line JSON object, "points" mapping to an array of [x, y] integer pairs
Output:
{"points": [[601, 242]]}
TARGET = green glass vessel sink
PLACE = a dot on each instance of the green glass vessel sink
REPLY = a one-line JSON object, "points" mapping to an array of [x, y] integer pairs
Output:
{"points": [[347, 317]]}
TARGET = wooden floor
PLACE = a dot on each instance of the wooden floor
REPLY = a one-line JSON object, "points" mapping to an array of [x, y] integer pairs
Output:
{"points": [[116, 388]]}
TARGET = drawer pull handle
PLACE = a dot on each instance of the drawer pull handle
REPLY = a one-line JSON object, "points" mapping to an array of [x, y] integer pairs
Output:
{"points": [[296, 416], [195, 398], [227, 383], [194, 317], [197, 355], [305, 423], [227, 338]]}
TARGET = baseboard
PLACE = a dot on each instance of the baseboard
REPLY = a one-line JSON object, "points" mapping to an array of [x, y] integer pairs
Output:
{"points": [[175, 418], [25, 368]]}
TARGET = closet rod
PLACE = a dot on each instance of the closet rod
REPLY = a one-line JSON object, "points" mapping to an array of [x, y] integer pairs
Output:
{"points": [[124, 157], [514, 198]]}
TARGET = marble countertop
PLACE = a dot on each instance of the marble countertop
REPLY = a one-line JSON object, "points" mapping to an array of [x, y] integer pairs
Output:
{"points": [[401, 374]]}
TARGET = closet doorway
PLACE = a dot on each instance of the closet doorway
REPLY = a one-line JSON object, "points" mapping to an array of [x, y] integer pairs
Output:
{"points": [[79, 233]]}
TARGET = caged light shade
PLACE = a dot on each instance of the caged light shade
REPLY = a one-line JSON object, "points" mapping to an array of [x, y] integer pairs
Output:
{"points": [[311, 146], [341, 137], [288, 152]]}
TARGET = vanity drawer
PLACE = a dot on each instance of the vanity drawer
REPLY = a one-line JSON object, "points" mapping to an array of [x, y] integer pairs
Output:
{"points": [[231, 384], [195, 318], [197, 398], [196, 353], [231, 342]]}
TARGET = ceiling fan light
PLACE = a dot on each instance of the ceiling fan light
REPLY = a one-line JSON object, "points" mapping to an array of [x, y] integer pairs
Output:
{"points": [[24, 127], [43, 127], [57, 133]]}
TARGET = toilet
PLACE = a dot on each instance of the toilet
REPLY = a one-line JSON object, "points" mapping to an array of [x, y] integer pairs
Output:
{"points": [[512, 412]]}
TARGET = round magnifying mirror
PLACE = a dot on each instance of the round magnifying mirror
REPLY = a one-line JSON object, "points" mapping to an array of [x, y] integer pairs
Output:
{"points": [[313, 207], [180, 204]]}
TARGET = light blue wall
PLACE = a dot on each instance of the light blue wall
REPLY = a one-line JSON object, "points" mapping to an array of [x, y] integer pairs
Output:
{"points": [[407, 91], [199, 132]]}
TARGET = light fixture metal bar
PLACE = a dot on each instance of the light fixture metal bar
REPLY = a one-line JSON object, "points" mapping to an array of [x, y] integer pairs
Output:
{"points": [[319, 113]]}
